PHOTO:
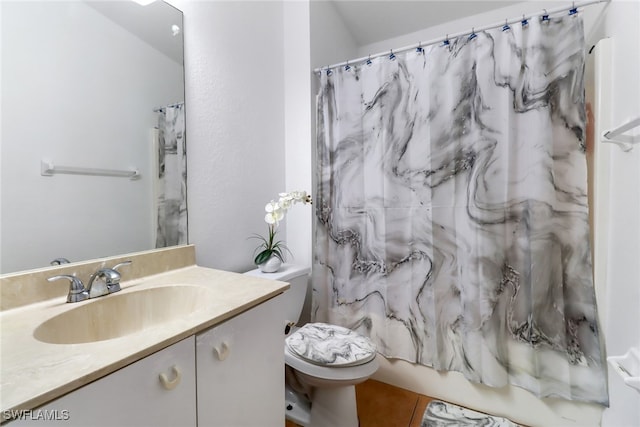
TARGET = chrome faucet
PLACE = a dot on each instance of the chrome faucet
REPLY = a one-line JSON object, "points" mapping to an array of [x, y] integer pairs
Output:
{"points": [[77, 292], [114, 284], [105, 281], [98, 281]]}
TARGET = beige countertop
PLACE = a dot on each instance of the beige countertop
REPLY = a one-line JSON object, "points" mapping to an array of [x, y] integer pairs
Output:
{"points": [[34, 372]]}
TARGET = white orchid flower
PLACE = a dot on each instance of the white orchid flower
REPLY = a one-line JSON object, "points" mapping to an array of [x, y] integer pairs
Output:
{"points": [[277, 210], [299, 196], [289, 199], [274, 213], [273, 217], [285, 202], [271, 206]]}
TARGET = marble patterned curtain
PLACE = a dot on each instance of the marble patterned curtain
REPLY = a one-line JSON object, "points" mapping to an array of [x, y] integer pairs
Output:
{"points": [[171, 180], [451, 221]]}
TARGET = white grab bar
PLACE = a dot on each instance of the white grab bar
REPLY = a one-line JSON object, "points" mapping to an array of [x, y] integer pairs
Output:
{"points": [[47, 168], [628, 367], [615, 136]]}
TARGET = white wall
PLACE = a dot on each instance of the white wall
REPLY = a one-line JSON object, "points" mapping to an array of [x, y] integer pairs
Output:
{"points": [[304, 35], [57, 59], [298, 125], [621, 286], [249, 121], [330, 37], [307, 45], [590, 16], [234, 62]]}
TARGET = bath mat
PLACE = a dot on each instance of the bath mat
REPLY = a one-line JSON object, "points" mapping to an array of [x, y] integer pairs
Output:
{"points": [[443, 414]]}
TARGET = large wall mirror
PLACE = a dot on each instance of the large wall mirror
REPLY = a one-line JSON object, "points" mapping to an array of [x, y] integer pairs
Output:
{"points": [[91, 90]]}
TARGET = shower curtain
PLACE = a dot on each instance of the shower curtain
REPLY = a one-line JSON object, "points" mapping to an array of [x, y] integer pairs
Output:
{"points": [[171, 179], [451, 221]]}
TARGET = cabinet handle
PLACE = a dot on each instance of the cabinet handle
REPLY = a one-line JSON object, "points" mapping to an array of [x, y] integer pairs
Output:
{"points": [[170, 384], [222, 352]]}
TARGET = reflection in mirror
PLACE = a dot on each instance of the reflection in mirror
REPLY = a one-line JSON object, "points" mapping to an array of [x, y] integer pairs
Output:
{"points": [[95, 87]]}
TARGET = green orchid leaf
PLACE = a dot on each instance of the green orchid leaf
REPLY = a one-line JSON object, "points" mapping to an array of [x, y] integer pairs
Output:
{"points": [[263, 256]]}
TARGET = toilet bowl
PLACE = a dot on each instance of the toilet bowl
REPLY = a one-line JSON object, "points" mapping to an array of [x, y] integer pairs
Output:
{"points": [[326, 361]]}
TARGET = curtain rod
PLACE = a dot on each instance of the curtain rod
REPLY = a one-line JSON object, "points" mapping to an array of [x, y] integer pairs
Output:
{"points": [[573, 9], [159, 109]]}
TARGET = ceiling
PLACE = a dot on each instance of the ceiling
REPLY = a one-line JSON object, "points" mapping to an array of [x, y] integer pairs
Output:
{"points": [[372, 21], [369, 21], [151, 23]]}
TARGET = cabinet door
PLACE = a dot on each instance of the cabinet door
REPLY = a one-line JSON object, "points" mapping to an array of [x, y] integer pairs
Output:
{"points": [[241, 369], [149, 392]]}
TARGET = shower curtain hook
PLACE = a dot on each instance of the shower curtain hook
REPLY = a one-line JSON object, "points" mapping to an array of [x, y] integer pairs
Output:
{"points": [[369, 60], [445, 42], [545, 17], [506, 26], [473, 34], [574, 9], [392, 56], [347, 67], [419, 48], [524, 21]]}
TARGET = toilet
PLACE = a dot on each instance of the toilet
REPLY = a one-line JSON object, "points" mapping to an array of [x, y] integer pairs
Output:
{"points": [[326, 361]]}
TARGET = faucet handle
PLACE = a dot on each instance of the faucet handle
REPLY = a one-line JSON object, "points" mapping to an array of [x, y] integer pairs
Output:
{"points": [[113, 280], [122, 264], [77, 292], [59, 261]]}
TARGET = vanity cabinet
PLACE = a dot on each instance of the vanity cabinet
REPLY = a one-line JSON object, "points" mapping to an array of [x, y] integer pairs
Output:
{"points": [[241, 369], [239, 382], [158, 390]]}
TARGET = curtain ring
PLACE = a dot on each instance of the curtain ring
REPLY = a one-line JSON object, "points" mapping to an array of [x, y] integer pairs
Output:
{"points": [[545, 17], [573, 10]]}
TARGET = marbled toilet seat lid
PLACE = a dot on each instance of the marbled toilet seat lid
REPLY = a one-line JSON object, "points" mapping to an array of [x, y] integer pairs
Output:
{"points": [[330, 345]]}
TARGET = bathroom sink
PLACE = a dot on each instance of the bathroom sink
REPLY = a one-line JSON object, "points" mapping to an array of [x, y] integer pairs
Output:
{"points": [[121, 314]]}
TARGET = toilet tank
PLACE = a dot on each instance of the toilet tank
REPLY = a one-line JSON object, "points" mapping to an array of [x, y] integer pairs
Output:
{"points": [[297, 276]]}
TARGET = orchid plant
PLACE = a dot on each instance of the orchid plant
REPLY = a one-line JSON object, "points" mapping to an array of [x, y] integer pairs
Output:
{"points": [[275, 212]]}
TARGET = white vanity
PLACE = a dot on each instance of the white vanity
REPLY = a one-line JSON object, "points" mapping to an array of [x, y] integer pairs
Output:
{"points": [[218, 364]]}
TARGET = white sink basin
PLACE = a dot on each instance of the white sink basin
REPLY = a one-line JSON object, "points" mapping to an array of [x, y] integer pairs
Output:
{"points": [[120, 314]]}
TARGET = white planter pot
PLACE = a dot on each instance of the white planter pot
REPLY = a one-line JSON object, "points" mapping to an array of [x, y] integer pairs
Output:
{"points": [[271, 265]]}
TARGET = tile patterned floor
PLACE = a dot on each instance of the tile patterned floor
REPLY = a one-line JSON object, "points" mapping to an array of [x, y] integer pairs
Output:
{"points": [[383, 405]]}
